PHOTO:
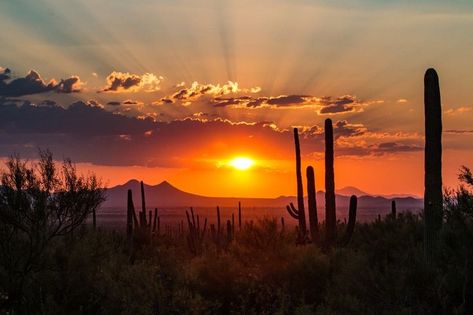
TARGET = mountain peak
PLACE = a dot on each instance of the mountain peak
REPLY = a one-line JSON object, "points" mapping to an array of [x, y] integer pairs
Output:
{"points": [[350, 190], [131, 182], [165, 183]]}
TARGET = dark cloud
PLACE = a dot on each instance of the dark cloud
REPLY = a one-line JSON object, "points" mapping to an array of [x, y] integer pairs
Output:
{"points": [[323, 105], [393, 147], [130, 102], [343, 129], [32, 83], [459, 131], [86, 132], [114, 103], [285, 100], [117, 81], [71, 85], [128, 82], [339, 105]]}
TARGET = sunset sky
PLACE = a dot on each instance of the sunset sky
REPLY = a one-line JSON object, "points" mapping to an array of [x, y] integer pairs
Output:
{"points": [[176, 89]]}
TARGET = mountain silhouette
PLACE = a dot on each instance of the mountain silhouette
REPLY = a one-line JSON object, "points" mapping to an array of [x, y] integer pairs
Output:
{"points": [[167, 195]]}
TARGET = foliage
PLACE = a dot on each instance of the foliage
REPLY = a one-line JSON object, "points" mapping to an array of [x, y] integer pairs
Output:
{"points": [[382, 271], [38, 205]]}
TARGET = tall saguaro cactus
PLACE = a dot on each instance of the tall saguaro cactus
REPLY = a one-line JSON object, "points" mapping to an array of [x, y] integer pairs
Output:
{"points": [[129, 216], [300, 190], [312, 205], [143, 206], [330, 207], [433, 210]]}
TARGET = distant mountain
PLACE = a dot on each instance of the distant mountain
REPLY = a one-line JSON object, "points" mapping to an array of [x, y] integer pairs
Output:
{"points": [[166, 195], [350, 190]]}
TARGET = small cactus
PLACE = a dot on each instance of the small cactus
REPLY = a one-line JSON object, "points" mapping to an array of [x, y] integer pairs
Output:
{"points": [[312, 205], [351, 221]]}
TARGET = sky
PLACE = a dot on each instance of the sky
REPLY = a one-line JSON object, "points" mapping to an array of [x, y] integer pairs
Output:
{"points": [[175, 90]]}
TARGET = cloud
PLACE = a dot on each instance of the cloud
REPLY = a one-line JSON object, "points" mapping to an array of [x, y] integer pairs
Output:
{"points": [[340, 104], [322, 105], [32, 83], [185, 95], [456, 111], [71, 85], [459, 131], [130, 83], [86, 132]]}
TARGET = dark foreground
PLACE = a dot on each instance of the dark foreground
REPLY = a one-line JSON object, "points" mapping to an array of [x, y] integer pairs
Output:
{"points": [[262, 271]]}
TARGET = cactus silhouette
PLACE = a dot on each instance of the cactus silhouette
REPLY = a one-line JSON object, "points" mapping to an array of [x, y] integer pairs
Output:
{"points": [[155, 219], [433, 211], [196, 235], [299, 212], [130, 215], [312, 205], [351, 221], [143, 206], [330, 207]]}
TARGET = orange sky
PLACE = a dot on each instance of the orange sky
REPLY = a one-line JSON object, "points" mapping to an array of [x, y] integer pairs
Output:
{"points": [[185, 86]]}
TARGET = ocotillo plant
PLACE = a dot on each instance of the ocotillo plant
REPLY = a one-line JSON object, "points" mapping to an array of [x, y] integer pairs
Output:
{"points": [[312, 205], [299, 213], [330, 208], [433, 210], [351, 221], [195, 237]]}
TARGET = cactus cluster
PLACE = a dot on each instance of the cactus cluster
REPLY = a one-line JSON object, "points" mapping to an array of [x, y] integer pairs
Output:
{"points": [[330, 206], [221, 238], [138, 230], [195, 238]]}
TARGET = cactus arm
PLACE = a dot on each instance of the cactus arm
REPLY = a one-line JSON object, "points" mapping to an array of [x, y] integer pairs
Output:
{"points": [[291, 212]]}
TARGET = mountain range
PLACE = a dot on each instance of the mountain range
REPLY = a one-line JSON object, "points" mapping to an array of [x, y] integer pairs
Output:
{"points": [[166, 195]]}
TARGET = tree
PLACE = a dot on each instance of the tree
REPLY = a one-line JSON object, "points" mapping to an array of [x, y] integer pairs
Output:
{"points": [[39, 203]]}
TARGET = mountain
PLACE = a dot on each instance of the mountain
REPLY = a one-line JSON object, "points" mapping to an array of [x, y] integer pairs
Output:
{"points": [[350, 190], [166, 195]]}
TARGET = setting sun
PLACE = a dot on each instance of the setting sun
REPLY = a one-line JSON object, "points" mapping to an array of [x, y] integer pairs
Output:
{"points": [[241, 163]]}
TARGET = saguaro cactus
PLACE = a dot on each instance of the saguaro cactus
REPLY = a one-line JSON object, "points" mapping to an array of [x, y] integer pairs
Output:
{"points": [[195, 237], [351, 220], [433, 210], [129, 219], [330, 207], [312, 205], [299, 213], [143, 206]]}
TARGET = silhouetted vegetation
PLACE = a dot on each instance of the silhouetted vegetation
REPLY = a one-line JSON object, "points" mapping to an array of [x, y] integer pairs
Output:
{"points": [[51, 262]]}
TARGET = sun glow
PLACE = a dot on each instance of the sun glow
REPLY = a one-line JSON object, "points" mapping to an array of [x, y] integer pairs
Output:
{"points": [[241, 163]]}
